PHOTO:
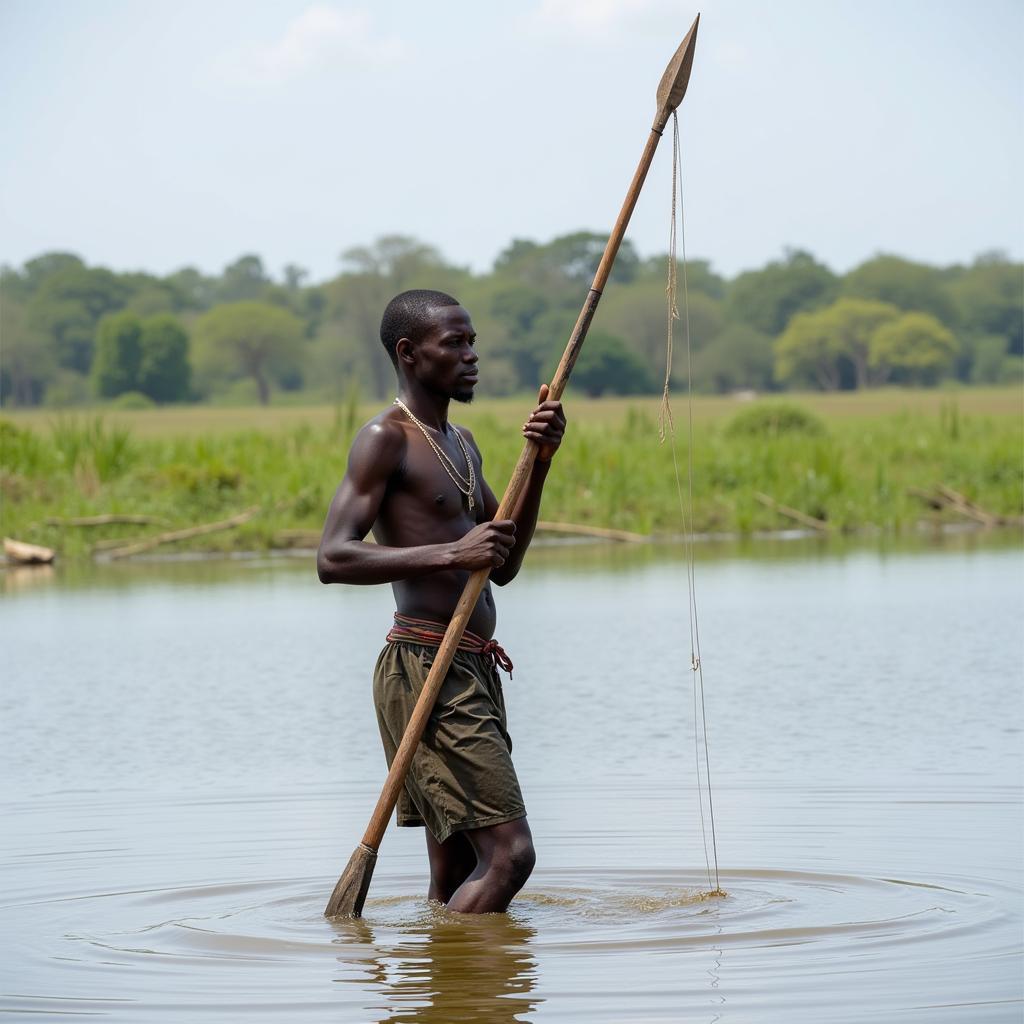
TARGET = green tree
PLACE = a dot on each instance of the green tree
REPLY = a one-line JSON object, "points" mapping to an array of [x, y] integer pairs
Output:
{"points": [[606, 365], [638, 313], [243, 280], [854, 322], [809, 350], [767, 299], [67, 306], [27, 359], [354, 302], [916, 348], [534, 353], [566, 260], [990, 300], [164, 370], [518, 308], [902, 283], [193, 289], [37, 270], [248, 339], [396, 259], [738, 358], [115, 367]]}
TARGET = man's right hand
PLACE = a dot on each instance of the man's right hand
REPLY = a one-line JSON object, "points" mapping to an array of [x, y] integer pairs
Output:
{"points": [[485, 546]]}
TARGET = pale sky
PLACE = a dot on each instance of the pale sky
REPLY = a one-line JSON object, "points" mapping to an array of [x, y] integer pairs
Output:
{"points": [[151, 135]]}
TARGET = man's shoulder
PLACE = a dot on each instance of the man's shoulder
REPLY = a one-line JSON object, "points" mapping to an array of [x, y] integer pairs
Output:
{"points": [[383, 439]]}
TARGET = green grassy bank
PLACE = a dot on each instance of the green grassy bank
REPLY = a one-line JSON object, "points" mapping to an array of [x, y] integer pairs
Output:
{"points": [[854, 462]]}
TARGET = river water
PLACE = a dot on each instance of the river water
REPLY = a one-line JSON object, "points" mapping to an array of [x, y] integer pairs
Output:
{"points": [[189, 756]]}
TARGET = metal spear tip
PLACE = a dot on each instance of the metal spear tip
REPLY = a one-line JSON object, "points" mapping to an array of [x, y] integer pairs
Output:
{"points": [[672, 87]]}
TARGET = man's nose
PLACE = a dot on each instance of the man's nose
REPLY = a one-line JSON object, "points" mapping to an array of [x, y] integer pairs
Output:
{"points": [[470, 356]]}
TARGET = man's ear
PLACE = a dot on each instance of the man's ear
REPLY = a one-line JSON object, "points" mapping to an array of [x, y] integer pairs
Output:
{"points": [[406, 351]]}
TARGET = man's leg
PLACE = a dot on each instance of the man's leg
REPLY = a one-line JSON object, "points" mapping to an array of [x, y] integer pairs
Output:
{"points": [[451, 863], [504, 860]]}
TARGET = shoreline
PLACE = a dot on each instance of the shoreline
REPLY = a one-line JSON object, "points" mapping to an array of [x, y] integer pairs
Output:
{"points": [[922, 530]]}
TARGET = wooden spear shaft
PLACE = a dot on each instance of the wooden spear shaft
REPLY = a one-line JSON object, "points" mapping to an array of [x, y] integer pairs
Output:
{"points": [[350, 892]]}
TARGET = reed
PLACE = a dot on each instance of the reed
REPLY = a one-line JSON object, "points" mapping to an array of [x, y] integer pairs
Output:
{"points": [[854, 473]]}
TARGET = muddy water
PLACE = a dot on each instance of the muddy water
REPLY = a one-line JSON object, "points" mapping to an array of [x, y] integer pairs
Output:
{"points": [[188, 756]]}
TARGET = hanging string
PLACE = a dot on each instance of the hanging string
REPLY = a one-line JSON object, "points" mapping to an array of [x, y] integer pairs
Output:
{"points": [[666, 430]]}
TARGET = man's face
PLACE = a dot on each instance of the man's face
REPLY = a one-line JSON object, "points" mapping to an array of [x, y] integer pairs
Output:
{"points": [[445, 357]]}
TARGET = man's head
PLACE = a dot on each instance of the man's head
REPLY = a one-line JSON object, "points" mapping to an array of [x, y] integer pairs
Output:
{"points": [[429, 336], [409, 315]]}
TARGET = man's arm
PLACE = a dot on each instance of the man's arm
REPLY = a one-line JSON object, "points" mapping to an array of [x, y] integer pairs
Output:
{"points": [[344, 557], [546, 426]]}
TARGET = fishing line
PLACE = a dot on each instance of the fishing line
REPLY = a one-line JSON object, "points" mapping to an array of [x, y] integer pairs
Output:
{"points": [[666, 429]]}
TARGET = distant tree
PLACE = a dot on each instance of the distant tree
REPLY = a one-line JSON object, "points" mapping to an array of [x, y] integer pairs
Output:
{"points": [[37, 270], [27, 360], [164, 371], [767, 299], [67, 306], [854, 323], [194, 290], [293, 276], [638, 313], [902, 283], [354, 302], [396, 259], [826, 344], [990, 300], [518, 308], [699, 276], [606, 365], [248, 339], [244, 280], [739, 357], [809, 350], [567, 259], [115, 367], [534, 353], [916, 348]]}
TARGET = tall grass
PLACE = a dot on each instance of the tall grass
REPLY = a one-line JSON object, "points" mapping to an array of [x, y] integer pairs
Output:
{"points": [[852, 473]]}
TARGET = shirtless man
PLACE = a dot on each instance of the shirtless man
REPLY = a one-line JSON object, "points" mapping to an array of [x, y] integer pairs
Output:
{"points": [[416, 480]]}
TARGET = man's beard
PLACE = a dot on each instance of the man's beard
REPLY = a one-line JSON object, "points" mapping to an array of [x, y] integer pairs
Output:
{"points": [[463, 396]]}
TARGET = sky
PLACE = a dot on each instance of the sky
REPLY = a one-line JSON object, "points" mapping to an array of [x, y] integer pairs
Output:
{"points": [[150, 136]]}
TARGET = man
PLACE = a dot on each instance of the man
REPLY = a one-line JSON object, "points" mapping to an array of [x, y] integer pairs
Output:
{"points": [[416, 480]]}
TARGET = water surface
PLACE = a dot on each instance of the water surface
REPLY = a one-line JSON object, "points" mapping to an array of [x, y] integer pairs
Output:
{"points": [[189, 756]]}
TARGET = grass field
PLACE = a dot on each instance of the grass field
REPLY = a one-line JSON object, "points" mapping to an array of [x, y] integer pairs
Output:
{"points": [[190, 420], [855, 464]]}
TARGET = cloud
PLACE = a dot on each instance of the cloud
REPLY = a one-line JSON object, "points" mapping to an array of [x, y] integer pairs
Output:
{"points": [[600, 17], [321, 37]]}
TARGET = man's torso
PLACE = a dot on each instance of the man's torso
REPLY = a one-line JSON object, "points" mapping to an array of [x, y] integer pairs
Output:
{"points": [[424, 505]]}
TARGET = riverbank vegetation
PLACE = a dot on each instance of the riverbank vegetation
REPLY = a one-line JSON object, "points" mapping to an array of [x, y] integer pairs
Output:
{"points": [[884, 461]]}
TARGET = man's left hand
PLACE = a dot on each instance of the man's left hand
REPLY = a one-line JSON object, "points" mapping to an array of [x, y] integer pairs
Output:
{"points": [[546, 426]]}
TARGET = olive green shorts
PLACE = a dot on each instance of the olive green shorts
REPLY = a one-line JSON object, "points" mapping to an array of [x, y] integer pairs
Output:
{"points": [[461, 775]]}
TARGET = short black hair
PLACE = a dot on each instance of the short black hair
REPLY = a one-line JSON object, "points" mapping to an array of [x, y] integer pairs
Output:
{"points": [[406, 314]]}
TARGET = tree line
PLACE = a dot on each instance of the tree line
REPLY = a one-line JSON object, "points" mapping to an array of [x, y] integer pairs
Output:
{"points": [[71, 333]]}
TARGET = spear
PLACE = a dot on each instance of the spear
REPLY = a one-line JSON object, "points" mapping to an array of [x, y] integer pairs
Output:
{"points": [[350, 892]]}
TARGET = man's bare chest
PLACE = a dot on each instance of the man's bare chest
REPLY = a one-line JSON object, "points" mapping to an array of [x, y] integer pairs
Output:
{"points": [[441, 487]]}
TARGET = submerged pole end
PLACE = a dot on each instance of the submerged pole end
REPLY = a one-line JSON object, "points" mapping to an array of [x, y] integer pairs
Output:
{"points": [[350, 892]]}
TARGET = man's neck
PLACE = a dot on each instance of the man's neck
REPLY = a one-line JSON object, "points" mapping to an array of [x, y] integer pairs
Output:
{"points": [[432, 410]]}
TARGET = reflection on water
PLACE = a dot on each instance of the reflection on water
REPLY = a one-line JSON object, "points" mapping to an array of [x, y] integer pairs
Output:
{"points": [[189, 754], [448, 968]]}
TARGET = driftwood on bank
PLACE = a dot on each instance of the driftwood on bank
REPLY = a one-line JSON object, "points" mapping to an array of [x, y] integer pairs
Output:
{"points": [[793, 513], [138, 547], [27, 554], [944, 498], [107, 519], [598, 532]]}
